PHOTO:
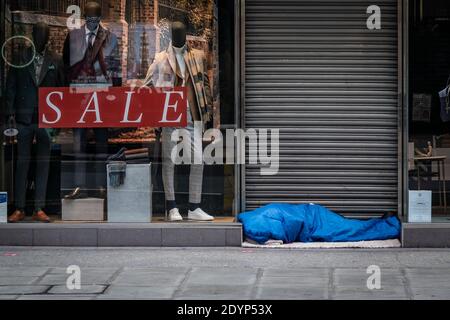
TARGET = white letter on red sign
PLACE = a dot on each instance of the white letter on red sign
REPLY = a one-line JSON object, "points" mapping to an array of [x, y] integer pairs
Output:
{"points": [[174, 106], [127, 110], [53, 107], [96, 110]]}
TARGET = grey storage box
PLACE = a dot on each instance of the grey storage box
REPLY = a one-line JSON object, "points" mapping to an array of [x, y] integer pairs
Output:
{"points": [[132, 200], [89, 209]]}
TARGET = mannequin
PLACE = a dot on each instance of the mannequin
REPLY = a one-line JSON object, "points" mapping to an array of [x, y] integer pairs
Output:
{"points": [[188, 69], [91, 58], [23, 84]]}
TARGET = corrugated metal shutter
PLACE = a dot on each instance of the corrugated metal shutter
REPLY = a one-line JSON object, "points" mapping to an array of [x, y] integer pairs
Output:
{"points": [[314, 70]]}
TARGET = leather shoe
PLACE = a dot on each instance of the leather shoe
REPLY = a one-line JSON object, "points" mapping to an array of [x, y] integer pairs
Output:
{"points": [[75, 194], [40, 216], [17, 216]]}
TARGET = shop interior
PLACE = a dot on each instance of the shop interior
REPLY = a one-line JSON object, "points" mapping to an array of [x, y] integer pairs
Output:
{"points": [[144, 32], [429, 121]]}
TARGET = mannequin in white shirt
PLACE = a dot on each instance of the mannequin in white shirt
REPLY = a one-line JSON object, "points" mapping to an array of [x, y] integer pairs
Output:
{"points": [[179, 47]]}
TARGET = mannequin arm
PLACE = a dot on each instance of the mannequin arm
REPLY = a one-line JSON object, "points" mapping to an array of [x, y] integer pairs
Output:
{"points": [[148, 82], [207, 86], [11, 88]]}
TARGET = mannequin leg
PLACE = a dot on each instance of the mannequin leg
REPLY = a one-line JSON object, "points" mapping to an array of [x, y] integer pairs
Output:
{"points": [[24, 144], [196, 169], [42, 167], [79, 149], [101, 150], [195, 184], [168, 167]]}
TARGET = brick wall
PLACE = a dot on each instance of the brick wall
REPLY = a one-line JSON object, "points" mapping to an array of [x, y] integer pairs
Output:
{"points": [[144, 11], [143, 38], [116, 23]]}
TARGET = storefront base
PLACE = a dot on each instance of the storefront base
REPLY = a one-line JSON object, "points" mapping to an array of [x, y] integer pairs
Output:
{"points": [[414, 235], [426, 235], [122, 235]]}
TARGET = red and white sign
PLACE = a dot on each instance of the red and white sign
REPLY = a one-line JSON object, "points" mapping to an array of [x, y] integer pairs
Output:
{"points": [[113, 107]]}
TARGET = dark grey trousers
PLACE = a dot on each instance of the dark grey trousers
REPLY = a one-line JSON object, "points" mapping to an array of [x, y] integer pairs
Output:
{"points": [[27, 133], [101, 149]]}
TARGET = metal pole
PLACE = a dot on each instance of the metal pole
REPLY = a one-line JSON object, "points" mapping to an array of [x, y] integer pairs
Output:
{"points": [[405, 105]]}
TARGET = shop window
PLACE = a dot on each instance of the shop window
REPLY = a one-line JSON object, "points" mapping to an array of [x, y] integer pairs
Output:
{"points": [[429, 126], [72, 173]]}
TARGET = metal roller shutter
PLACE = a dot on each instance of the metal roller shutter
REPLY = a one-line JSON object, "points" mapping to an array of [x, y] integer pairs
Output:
{"points": [[314, 70]]}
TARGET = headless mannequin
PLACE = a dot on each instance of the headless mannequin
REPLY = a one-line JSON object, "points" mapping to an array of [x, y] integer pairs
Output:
{"points": [[23, 85], [179, 48], [92, 12]]}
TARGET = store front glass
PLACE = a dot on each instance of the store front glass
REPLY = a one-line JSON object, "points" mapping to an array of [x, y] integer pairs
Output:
{"points": [[89, 156], [429, 126]]}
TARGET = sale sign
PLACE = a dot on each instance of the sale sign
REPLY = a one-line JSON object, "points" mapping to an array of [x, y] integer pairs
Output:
{"points": [[112, 107]]}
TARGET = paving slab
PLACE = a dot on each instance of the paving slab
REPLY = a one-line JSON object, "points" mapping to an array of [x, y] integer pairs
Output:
{"points": [[357, 278], [86, 270], [84, 289], [430, 281], [22, 271], [291, 293], [87, 279], [304, 272], [430, 294], [156, 270], [214, 291], [8, 297], [4, 281], [131, 293], [23, 289], [428, 271], [56, 297], [348, 293], [222, 276], [294, 281], [421, 278], [148, 279]]}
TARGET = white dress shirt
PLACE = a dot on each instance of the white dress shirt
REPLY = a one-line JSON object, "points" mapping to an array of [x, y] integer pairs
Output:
{"points": [[179, 54]]}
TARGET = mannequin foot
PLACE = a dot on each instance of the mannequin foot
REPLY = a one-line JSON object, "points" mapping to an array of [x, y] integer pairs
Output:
{"points": [[76, 193], [199, 215], [17, 216], [174, 215], [40, 216]]}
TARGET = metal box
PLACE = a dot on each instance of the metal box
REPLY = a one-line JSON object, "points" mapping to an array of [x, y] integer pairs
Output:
{"points": [[131, 201]]}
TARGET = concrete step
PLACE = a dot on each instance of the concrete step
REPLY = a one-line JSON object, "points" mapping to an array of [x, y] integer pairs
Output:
{"points": [[207, 234], [426, 235]]}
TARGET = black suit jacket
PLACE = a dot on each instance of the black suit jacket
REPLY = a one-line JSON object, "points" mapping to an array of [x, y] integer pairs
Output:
{"points": [[22, 87]]}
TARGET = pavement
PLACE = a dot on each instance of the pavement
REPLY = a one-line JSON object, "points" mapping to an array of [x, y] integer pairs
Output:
{"points": [[224, 273]]}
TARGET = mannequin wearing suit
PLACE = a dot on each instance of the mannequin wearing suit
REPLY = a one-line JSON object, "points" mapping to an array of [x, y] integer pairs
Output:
{"points": [[181, 65], [22, 90], [91, 58]]}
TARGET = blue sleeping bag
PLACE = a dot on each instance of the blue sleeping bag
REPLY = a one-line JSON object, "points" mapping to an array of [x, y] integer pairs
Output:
{"points": [[312, 223]]}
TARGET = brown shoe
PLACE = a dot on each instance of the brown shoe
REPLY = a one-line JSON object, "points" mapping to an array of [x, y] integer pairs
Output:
{"points": [[17, 216], [40, 216]]}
